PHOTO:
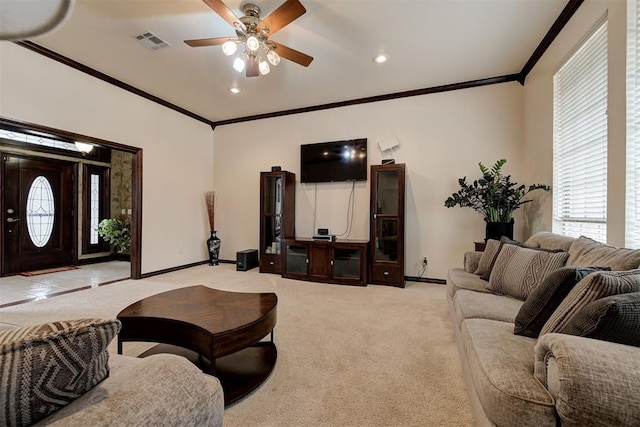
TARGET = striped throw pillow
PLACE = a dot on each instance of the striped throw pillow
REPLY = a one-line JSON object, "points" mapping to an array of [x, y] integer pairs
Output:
{"points": [[595, 286], [615, 319]]}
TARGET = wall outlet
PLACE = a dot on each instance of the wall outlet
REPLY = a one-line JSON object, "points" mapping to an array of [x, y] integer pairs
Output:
{"points": [[424, 261]]}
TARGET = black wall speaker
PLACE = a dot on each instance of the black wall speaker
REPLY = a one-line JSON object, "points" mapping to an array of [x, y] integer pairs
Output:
{"points": [[276, 168]]}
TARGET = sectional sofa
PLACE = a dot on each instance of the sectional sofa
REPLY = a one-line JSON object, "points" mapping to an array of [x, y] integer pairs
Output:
{"points": [[559, 374]]}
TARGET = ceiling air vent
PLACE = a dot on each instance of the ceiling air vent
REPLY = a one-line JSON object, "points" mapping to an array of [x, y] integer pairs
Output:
{"points": [[151, 41]]}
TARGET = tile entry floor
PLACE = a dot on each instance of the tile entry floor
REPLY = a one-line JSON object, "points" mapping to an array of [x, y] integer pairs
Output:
{"points": [[20, 289]]}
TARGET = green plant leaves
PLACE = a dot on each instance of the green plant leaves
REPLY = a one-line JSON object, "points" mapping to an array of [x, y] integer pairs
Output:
{"points": [[116, 232], [494, 195]]}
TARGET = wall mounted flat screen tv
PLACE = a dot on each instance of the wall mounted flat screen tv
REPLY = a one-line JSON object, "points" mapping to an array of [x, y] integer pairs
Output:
{"points": [[334, 161]]}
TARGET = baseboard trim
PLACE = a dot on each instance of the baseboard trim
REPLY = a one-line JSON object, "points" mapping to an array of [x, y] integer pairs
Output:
{"points": [[172, 269], [94, 260], [425, 280]]}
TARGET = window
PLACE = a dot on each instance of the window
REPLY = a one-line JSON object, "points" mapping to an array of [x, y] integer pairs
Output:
{"points": [[580, 141], [40, 211], [632, 222], [96, 205]]}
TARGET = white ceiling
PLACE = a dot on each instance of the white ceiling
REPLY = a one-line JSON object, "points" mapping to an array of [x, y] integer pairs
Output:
{"points": [[431, 42]]}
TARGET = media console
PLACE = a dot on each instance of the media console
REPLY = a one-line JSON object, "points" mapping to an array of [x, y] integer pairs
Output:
{"points": [[350, 262], [342, 261]]}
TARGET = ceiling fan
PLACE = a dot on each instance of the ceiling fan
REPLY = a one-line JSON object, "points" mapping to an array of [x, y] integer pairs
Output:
{"points": [[256, 50]]}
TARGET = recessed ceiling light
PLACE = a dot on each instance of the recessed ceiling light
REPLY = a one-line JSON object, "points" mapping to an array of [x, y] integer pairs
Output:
{"points": [[234, 90], [381, 58]]}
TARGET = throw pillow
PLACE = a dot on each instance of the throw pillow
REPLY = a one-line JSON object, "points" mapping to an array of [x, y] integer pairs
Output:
{"points": [[598, 285], [615, 318], [518, 270], [585, 251], [45, 367], [546, 297], [493, 254], [489, 254]]}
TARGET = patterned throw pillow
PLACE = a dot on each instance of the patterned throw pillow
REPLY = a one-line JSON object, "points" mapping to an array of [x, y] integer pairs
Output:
{"points": [[598, 285], [615, 318], [45, 367], [546, 297], [491, 252], [518, 271]]}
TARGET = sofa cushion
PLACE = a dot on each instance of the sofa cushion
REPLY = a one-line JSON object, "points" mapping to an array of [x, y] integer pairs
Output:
{"points": [[501, 366], [482, 305], [489, 255], [546, 297], [615, 318], [596, 285], [548, 240], [457, 278], [45, 367], [518, 270], [159, 390], [585, 251]]}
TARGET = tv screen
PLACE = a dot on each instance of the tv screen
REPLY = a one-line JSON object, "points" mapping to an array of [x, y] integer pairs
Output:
{"points": [[334, 161]]}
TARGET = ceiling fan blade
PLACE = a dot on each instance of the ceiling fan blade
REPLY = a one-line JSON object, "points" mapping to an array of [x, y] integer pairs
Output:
{"points": [[292, 54], [212, 41], [221, 9], [252, 69], [288, 12]]}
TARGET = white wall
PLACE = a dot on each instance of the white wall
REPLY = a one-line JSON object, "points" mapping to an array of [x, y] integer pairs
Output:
{"points": [[538, 111], [442, 138], [177, 150]]}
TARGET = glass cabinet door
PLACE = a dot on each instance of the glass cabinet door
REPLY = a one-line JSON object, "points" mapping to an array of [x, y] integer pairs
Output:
{"points": [[386, 239], [346, 263], [272, 215], [297, 259], [387, 196]]}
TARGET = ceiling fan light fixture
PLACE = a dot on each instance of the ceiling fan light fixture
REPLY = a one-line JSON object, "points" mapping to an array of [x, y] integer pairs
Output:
{"points": [[238, 65], [253, 43], [229, 47], [273, 58], [264, 68]]}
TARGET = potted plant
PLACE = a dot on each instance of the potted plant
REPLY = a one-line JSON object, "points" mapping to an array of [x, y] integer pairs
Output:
{"points": [[494, 196], [117, 232]]}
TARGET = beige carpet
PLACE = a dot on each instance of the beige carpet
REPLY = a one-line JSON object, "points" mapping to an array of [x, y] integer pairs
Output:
{"points": [[347, 356]]}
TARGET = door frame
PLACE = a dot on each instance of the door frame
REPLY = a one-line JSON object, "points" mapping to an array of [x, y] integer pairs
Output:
{"points": [[136, 180]]}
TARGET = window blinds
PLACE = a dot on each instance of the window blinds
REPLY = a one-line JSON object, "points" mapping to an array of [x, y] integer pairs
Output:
{"points": [[580, 141], [632, 222]]}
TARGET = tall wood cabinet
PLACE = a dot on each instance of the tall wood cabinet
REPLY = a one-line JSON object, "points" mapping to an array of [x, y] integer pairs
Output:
{"points": [[277, 217], [386, 234]]}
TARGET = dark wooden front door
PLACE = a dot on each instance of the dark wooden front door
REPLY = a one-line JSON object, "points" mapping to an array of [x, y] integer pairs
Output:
{"points": [[37, 215]]}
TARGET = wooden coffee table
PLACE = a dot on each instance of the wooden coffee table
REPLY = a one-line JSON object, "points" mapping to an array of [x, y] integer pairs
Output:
{"points": [[219, 331]]}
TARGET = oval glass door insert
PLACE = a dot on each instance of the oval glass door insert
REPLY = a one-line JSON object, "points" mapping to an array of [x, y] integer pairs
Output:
{"points": [[40, 211]]}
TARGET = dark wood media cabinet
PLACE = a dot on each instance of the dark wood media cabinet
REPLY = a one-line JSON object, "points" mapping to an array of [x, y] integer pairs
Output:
{"points": [[342, 262]]}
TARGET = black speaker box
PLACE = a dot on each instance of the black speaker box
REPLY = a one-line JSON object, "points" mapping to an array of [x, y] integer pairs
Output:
{"points": [[247, 259]]}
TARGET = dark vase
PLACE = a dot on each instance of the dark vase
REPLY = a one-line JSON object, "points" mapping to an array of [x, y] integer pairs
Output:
{"points": [[495, 230], [213, 245]]}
